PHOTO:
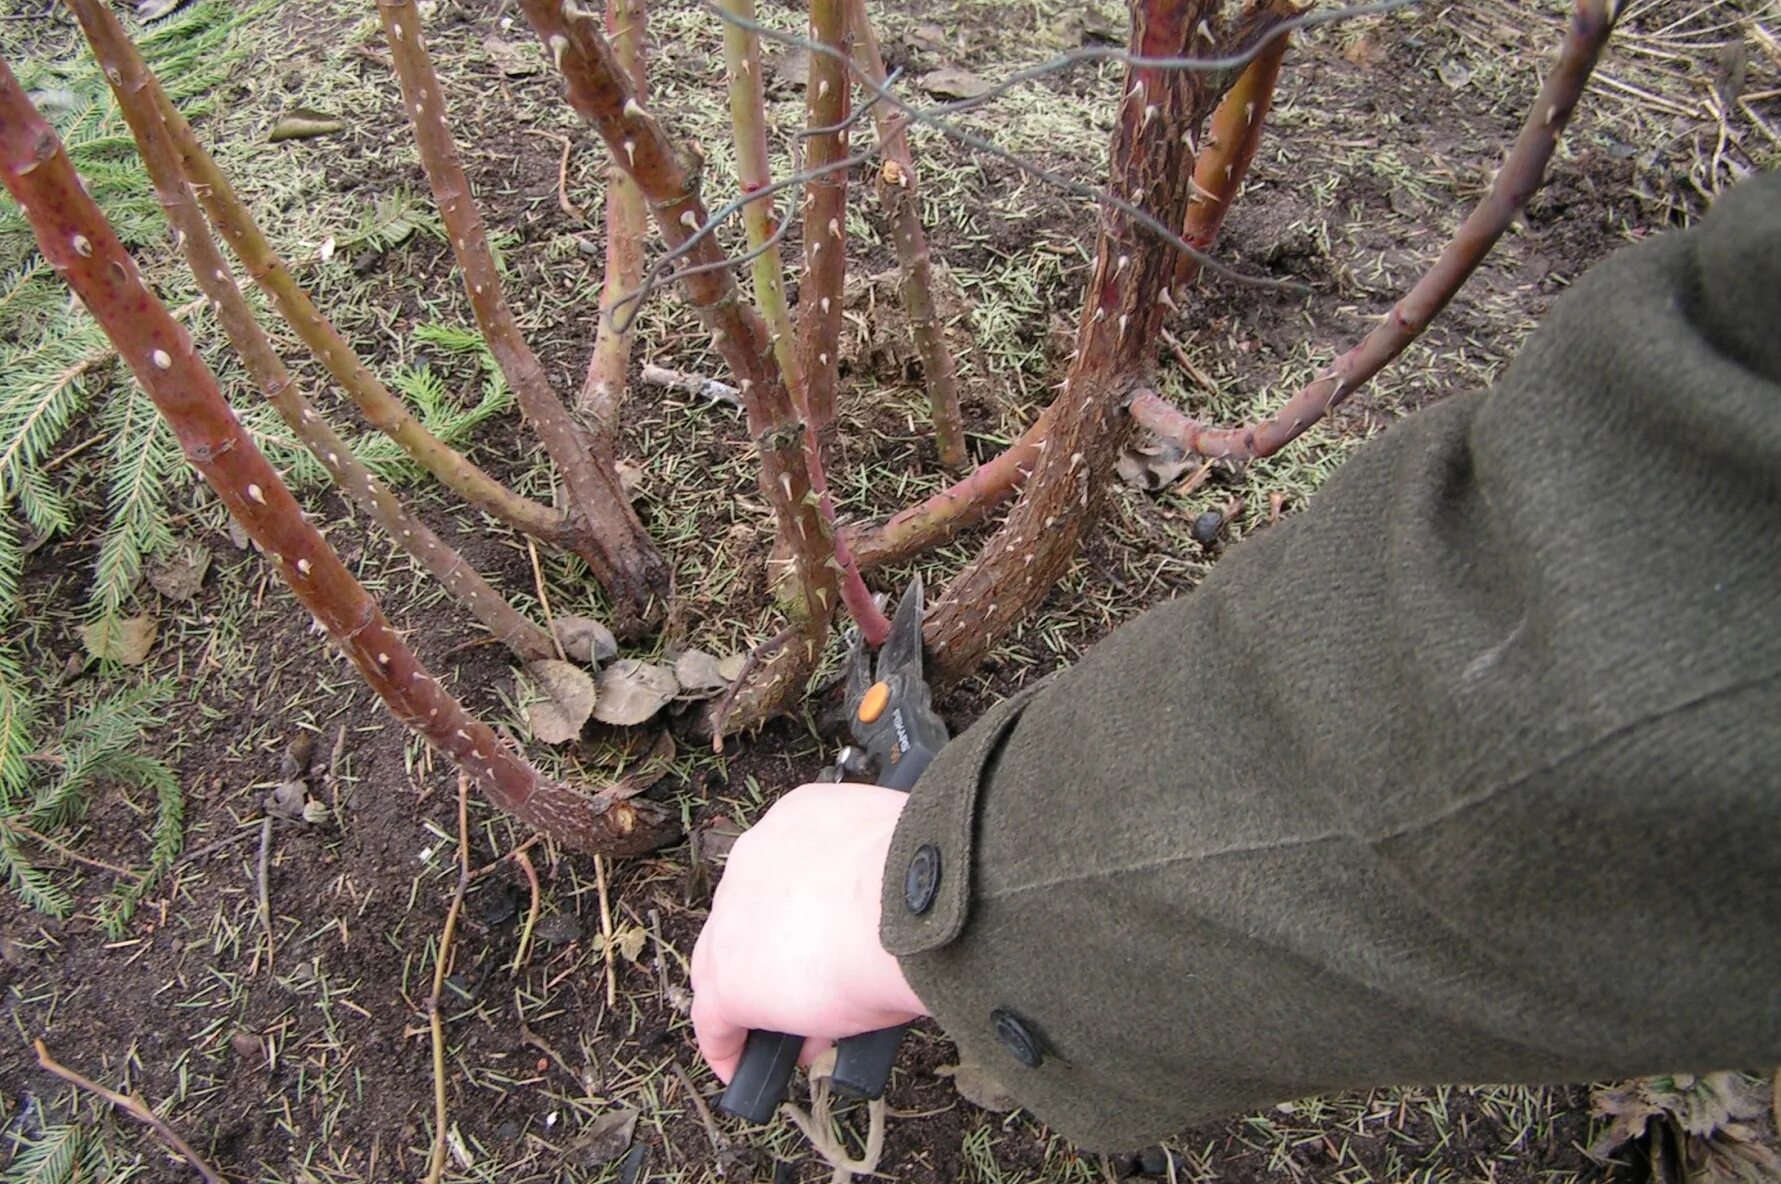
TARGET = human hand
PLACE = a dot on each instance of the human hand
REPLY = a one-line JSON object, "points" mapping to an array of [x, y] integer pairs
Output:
{"points": [[792, 941]]}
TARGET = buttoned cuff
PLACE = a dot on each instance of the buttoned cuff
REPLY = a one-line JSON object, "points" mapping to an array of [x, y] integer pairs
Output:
{"points": [[927, 875]]}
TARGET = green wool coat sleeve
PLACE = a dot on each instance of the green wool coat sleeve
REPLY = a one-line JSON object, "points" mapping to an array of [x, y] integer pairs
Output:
{"points": [[1471, 772]]}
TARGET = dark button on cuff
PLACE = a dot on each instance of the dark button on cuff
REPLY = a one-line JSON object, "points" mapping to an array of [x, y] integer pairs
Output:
{"points": [[1017, 1038], [921, 883]]}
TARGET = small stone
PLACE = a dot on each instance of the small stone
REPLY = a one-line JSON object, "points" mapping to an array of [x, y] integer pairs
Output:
{"points": [[1207, 527]]}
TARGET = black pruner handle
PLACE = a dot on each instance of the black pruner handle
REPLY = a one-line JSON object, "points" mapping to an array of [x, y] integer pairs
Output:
{"points": [[762, 1075], [863, 1063]]}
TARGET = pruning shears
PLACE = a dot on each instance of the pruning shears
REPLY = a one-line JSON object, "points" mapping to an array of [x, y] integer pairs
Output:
{"points": [[896, 735]]}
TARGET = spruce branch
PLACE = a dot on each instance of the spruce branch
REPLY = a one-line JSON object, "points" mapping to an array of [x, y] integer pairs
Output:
{"points": [[899, 192], [78, 242], [1522, 172], [267, 370], [627, 221], [232, 220], [616, 546]]}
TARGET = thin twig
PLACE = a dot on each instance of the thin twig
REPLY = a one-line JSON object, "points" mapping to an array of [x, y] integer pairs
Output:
{"points": [[956, 508], [135, 1107], [263, 882], [606, 930], [655, 931], [568, 146], [525, 934], [441, 958], [718, 1143], [755, 656], [550, 624]]}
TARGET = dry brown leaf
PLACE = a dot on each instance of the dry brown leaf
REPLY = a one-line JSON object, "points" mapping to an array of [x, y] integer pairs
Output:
{"points": [[180, 575], [628, 942], [302, 123], [516, 59], [631, 691], [699, 674], [1154, 465], [1717, 1124], [950, 82], [607, 1138], [566, 698], [125, 640], [1454, 73], [584, 639]]}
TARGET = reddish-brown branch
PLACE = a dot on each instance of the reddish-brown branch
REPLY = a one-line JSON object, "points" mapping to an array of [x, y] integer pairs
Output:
{"points": [[230, 216], [828, 94], [509, 626], [627, 221], [80, 244], [957, 508], [1233, 135], [1520, 176], [623, 559], [1121, 317], [900, 195]]}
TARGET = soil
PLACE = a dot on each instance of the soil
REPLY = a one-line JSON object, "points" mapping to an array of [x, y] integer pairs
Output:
{"points": [[312, 1061]]}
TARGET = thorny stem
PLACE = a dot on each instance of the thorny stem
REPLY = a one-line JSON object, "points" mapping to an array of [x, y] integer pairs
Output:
{"points": [[1149, 160], [959, 507], [898, 191], [623, 559], [1522, 172], [1232, 137], [627, 221], [600, 92], [80, 244], [748, 124], [790, 348], [267, 370], [135, 1107], [828, 94], [230, 216]]}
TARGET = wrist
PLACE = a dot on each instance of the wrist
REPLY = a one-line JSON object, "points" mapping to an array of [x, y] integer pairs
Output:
{"points": [[884, 982]]}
